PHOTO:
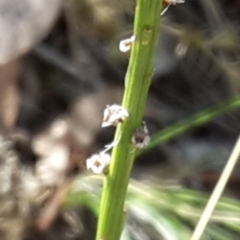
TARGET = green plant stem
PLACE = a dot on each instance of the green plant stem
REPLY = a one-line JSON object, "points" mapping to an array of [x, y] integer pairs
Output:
{"points": [[199, 119], [138, 78]]}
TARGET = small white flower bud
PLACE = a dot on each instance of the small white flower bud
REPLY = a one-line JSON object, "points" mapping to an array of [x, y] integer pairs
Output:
{"points": [[98, 163], [141, 137], [113, 115], [125, 44]]}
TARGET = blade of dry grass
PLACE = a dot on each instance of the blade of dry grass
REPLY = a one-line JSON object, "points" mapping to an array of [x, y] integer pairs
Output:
{"points": [[206, 215]]}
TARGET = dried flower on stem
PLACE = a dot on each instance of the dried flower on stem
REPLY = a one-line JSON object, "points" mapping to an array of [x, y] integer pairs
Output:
{"points": [[125, 44], [114, 114], [98, 163]]}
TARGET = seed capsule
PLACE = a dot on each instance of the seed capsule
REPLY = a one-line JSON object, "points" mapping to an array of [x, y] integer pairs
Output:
{"points": [[141, 137]]}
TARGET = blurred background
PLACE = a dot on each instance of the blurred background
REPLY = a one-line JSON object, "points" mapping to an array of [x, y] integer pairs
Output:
{"points": [[60, 65]]}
